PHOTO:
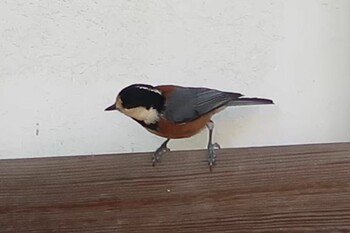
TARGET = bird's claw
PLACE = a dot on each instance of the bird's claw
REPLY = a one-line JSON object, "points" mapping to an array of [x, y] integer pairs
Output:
{"points": [[157, 155], [211, 154], [216, 146]]}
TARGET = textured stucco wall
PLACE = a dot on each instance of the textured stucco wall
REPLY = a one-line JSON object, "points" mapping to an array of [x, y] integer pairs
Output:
{"points": [[63, 62]]}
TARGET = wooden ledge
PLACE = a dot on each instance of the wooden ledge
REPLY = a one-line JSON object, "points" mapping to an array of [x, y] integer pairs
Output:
{"points": [[302, 188]]}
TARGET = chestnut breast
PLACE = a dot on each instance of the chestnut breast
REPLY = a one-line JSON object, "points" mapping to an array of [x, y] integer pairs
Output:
{"points": [[170, 129]]}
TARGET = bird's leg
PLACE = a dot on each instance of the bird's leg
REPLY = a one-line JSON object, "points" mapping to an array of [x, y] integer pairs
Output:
{"points": [[211, 146], [157, 156]]}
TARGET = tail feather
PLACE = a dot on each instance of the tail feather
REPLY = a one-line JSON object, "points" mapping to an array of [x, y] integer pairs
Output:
{"points": [[249, 101]]}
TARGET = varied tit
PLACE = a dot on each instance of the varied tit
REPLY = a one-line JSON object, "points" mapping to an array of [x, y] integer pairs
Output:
{"points": [[177, 112]]}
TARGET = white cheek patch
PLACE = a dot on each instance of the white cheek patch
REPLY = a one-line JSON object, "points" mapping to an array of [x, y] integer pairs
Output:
{"points": [[149, 116]]}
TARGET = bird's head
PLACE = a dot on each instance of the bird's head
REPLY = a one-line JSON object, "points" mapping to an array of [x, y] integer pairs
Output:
{"points": [[141, 102]]}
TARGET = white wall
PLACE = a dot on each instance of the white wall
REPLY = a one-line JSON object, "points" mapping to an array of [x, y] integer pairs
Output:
{"points": [[63, 62]]}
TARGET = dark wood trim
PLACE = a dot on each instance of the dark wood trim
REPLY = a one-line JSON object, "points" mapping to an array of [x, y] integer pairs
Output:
{"points": [[300, 188]]}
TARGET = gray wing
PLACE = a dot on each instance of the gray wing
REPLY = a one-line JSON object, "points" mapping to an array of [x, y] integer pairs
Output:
{"points": [[187, 104]]}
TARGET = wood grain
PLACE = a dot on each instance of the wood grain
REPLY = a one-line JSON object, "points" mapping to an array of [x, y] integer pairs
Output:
{"points": [[303, 188]]}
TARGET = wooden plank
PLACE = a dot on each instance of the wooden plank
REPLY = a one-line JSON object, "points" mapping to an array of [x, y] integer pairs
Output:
{"points": [[304, 188]]}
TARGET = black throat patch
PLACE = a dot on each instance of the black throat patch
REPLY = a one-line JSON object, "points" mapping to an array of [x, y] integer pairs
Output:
{"points": [[153, 126]]}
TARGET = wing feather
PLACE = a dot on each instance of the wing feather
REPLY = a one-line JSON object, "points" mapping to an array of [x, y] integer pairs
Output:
{"points": [[187, 104]]}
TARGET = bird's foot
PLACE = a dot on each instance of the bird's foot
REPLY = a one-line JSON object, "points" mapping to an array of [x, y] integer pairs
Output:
{"points": [[157, 155], [211, 154]]}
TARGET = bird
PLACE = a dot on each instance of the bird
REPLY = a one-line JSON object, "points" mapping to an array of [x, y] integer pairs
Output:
{"points": [[173, 112]]}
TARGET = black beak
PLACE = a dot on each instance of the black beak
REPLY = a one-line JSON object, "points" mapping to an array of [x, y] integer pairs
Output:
{"points": [[111, 108]]}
